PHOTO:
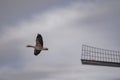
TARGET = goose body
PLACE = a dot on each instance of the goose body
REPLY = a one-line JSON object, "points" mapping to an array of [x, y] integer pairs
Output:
{"points": [[39, 45]]}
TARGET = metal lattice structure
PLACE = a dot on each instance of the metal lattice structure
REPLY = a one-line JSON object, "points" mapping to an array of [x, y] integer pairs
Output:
{"points": [[97, 56]]}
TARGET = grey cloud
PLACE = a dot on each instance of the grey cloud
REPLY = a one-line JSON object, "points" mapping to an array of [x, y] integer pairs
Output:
{"points": [[24, 75], [103, 18], [11, 56], [64, 37], [65, 73], [14, 11]]}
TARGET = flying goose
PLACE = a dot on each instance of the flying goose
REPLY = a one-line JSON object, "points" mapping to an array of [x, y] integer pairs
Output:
{"points": [[39, 45]]}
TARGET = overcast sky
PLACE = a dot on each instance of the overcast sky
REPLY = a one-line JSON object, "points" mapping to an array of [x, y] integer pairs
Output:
{"points": [[65, 26]]}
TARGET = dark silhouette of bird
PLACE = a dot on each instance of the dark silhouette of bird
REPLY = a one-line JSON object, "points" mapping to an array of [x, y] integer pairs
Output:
{"points": [[39, 45]]}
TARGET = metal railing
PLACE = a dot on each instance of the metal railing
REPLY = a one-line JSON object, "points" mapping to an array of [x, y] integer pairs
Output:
{"points": [[94, 55]]}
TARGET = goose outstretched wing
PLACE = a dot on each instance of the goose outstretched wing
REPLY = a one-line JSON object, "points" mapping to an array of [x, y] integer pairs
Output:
{"points": [[36, 52], [39, 40], [39, 43]]}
